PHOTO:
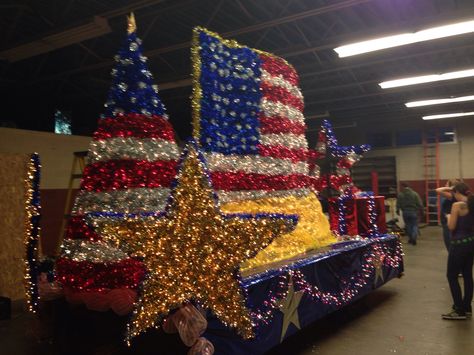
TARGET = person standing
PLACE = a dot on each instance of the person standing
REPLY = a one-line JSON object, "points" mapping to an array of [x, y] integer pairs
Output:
{"points": [[409, 202], [461, 252], [446, 202]]}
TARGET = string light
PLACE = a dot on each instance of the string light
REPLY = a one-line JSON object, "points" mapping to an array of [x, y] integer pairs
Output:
{"points": [[32, 231], [385, 251]]}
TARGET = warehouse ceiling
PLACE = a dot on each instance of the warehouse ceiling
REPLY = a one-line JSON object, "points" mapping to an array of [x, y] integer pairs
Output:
{"points": [[74, 77]]}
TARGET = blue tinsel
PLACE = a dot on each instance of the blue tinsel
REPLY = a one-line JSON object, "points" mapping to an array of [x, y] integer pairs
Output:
{"points": [[230, 97], [132, 85]]}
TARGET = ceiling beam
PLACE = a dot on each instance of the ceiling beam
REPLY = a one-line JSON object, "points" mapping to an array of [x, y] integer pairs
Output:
{"points": [[253, 28]]}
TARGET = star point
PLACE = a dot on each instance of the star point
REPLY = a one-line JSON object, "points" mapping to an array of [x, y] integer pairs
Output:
{"points": [[289, 308]]}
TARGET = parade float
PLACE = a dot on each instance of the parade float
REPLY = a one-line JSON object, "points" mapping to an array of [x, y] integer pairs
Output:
{"points": [[224, 241]]}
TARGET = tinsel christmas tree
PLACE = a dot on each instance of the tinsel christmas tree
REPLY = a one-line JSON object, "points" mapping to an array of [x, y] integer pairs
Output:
{"points": [[132, 161]]}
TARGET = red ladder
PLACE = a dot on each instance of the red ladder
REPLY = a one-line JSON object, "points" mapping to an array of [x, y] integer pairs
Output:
{"points": [[431, 175]]}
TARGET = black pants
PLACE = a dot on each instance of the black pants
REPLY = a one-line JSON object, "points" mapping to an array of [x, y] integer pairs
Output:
{"points": [[460, 260]]}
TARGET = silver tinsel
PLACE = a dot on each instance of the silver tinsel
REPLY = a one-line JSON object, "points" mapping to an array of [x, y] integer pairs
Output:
{"points": [[281, 82], [95, 252], [122, 201], [272, 108], [254, 164], [150, 149], [289, 140]]}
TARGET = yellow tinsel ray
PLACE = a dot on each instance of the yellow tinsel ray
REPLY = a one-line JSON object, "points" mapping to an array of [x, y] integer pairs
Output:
{"points": [[312, 231], [193, 252]]}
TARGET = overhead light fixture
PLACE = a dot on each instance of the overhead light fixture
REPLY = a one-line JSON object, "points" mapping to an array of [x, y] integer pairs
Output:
{"points": [[405, 38], [439, 101], [97, 27], [426, 79], [448, 115]]}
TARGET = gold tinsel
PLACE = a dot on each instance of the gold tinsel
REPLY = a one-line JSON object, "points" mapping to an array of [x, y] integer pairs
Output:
{"points": [[193, 252], [312, 231]]}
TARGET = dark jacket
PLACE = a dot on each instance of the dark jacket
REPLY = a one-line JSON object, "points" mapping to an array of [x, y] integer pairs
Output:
{"points": [[409, 201]]}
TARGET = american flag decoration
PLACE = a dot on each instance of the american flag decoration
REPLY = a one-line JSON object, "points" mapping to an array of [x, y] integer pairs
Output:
{"points": [[248, 119], [132, 161]]}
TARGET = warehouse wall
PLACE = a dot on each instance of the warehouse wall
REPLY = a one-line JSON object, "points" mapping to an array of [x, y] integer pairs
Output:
{"points": [[56, 155], [456, 159]]}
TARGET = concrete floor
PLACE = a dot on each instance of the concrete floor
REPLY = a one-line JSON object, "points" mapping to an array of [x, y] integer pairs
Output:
{"points": [[401, 317]]}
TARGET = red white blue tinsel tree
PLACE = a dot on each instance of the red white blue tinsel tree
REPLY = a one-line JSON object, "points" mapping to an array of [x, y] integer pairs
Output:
{"points": [[132, 162]]}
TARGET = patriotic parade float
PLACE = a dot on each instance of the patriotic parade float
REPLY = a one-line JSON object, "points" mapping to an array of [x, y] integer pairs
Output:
{"points": [[224, 241]]}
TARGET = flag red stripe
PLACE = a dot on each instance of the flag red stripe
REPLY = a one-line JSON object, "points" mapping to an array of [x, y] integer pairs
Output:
{"points": [[277, 66], [125, 174], [280, 125], [281, 152], [77, 228], [88, 276], [134, 125], [277, 93], [235, 181]]}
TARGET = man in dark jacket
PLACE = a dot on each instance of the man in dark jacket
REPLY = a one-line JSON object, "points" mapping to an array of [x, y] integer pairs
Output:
{"points": [[410, 203]]}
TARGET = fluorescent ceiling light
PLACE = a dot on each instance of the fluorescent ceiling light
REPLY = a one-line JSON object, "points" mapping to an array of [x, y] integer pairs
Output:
{"points": [[405, 38], [448, 115], [426, 79], [97, 27], [439, 101]]}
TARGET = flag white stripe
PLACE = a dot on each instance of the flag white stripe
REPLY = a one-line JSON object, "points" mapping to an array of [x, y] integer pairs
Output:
{"points": [[275, 108], [119, 148], [134, 200], [292, 141], [278, 80], [254, 164]]}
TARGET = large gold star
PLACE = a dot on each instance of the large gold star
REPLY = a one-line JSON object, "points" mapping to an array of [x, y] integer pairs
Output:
{"points": [[289, 308], [193, 252]]}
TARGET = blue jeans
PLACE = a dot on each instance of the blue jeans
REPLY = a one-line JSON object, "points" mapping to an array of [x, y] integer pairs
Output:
{"points": [[411, 224]]}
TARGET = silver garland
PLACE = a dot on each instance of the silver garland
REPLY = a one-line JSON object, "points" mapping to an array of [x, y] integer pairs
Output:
{"points": [[122, 201], [273, 108], [96, 252], [278, 80], [254, 164], [148, 149], [293, 141]]}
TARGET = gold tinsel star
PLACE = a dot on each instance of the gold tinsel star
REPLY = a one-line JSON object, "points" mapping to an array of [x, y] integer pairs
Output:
{"points": [[193, 252], [289, 308]]}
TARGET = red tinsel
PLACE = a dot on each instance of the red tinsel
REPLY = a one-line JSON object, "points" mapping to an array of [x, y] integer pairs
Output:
{"points": [[100, 277], [345, 163], [277, 66], [279, 94], [280, 125], [78, 229], [282, 152], [134, 125], [230, 181], [123, 174]]}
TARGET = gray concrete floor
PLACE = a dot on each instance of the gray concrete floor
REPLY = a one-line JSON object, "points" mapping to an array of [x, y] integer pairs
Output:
{"points": [[401, 317]]}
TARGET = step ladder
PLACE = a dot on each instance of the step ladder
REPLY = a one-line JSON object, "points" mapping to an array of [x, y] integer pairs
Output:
{"points": [[431, 175], [78, 165]]}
